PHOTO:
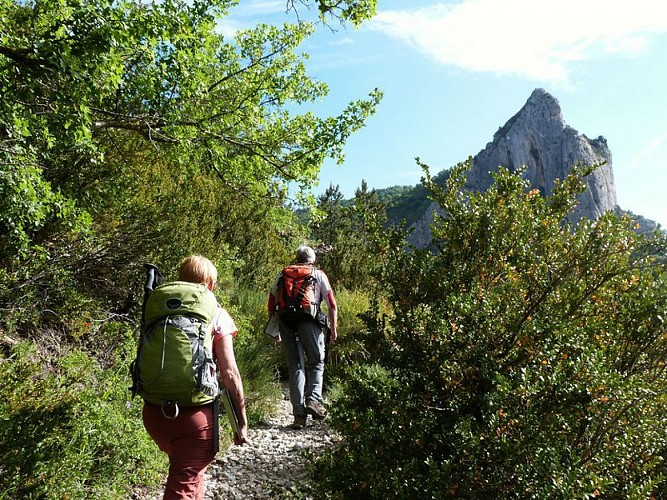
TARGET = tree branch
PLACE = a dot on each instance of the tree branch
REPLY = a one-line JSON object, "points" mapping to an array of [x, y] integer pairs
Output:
{"points": [[21, 56]]}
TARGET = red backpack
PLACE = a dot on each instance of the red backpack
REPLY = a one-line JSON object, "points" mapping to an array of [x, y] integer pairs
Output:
{"points": [[296, 293]]}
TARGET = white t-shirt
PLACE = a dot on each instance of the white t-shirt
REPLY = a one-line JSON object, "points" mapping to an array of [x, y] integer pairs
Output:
{"points": [[223, 325]]}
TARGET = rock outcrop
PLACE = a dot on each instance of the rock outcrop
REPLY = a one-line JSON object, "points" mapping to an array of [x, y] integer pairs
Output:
{"points": [[538, 138]]}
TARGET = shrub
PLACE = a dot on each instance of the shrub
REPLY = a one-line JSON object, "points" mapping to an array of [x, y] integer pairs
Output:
{"points": [[69, 429], [524, 357], [353, 344]]}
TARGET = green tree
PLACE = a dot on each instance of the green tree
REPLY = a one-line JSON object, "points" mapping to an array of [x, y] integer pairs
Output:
{"points": [[97, 95], [350, 235], [523, 358], [369, 221], [331, 229]]}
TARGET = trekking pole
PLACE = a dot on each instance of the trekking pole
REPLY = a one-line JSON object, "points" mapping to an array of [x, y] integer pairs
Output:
{"points": [[326, 330], [153, 277], [327, 342]]}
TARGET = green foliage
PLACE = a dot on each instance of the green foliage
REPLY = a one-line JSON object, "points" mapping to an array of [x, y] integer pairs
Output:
{"points": [[354, 11], [76, 74], [405, 204], [524, 358], [74, 429], [125, 123], [332, 227], [27, 204], [353, 345], [120, 113], [351, 236], [69, 427]]}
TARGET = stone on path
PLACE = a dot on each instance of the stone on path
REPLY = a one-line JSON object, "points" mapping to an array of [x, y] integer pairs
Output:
{"points": [[275, 463]]}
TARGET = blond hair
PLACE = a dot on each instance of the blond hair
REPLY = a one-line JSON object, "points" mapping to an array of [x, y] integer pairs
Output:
{"points": [[197, 269]]}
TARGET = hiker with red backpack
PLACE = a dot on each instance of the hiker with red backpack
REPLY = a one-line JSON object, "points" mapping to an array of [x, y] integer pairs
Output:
{"points": [[295, 300], [185, 354]]}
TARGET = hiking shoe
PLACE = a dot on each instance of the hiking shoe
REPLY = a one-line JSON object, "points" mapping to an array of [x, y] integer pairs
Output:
{"points": [[315, 409], [299, 422]]}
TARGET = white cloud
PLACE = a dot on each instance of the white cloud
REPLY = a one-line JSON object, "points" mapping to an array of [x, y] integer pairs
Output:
{"points": [[344, 41], [534, 39]]}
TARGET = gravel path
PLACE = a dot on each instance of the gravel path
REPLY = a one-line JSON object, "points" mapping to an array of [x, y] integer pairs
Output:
{"points": [[273, 465]]}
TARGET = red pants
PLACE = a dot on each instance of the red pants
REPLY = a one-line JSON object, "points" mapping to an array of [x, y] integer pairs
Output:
{"points": [[188, 441]]}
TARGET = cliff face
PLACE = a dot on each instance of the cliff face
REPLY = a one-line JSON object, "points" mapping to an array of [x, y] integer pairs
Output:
{"points": [[538, 137]]}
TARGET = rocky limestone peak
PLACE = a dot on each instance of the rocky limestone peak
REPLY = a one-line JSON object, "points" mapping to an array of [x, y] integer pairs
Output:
{"points": [[544, 109], [538, 138]]}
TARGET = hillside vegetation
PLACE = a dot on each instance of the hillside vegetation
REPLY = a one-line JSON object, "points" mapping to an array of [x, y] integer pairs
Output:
{"points": [[520, 357], [405, 205]]}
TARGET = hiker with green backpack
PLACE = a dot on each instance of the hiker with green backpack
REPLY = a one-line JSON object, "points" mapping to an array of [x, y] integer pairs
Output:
{"points": [[294, 304], [185, 351]]}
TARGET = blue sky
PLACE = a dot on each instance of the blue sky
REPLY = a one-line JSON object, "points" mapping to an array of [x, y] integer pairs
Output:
{"points": [[452, 73]]}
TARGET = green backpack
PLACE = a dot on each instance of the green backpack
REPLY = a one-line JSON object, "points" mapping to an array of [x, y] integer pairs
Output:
{"points": [[174, 364]]}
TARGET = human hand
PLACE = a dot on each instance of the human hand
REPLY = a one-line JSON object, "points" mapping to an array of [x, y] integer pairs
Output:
{"points": [[240, 440]]}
